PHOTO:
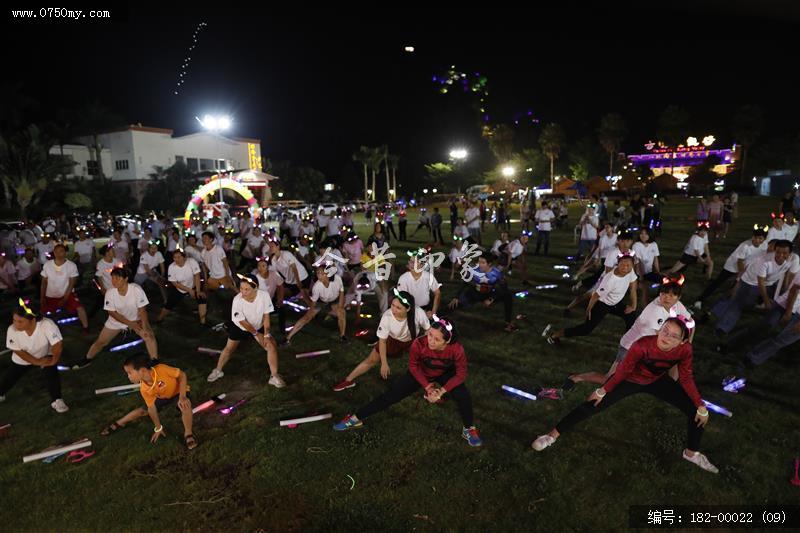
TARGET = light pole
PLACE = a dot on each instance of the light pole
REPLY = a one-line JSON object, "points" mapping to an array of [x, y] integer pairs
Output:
{"points": [[215, 125], [457, 157]]}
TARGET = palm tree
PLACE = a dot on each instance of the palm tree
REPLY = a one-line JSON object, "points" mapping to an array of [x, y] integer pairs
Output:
{"points": [[95, 119], [375, 161], [673, 128], [362, 156], [394, 160], [748, 122], [26, 165], [62, 132], [385, 163], [552, 141], [611, 132], [501, 142]]}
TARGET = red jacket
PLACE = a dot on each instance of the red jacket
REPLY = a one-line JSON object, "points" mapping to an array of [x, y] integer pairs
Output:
{"points": [[645, 363], [426, 364]]}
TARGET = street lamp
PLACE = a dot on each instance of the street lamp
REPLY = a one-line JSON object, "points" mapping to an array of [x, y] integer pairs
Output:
{"points": [[508, 171], [424, 191], [215, 124], [435, 191], [458, 154]]}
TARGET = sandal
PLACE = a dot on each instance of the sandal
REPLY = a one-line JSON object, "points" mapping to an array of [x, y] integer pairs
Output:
{"points": [[190, 442], [113, 428]]}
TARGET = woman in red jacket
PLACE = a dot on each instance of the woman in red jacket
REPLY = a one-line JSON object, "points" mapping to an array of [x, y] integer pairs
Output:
{"points": [[437, 363], [645, 369]]}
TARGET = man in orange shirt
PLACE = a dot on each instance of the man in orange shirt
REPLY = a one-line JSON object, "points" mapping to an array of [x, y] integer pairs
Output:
{"points": [[160, 386]]}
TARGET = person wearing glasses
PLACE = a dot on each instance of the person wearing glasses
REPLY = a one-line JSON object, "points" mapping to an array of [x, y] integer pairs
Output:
{"points": [[437, 365]]}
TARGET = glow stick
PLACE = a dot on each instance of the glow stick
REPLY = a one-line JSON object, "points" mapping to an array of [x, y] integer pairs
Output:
{"points": [[211, 351], [362, 333], [718, 409], [228, 410], [312, 354], [62, 368], [521, 294], [570, 257], [565, 275], [126, 345], [57, 451], [518, 392], [67, 320], [561, 267], [734, 386], [540, 287], [294, 421], [295, 306], [132, 386], [209, 403], [289, 328]]}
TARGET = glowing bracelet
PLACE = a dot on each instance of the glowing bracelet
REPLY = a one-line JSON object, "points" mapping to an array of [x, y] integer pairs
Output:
{"points": [[158, 429], [597, 392], [702, 414]]}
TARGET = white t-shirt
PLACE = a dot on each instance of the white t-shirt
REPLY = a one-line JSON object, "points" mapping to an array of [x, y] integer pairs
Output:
{"points": [[8, 272], [456, 255], [791, 231], [646, 254], [294, 228], [496, 247], [398, 329], [469, 214], [611, 259], [58, 277], [783, 298], [103, 271], [193, 252], [334, 226], [420, 288], [183, 274], [254, 244], [25, 269], [44, 250], [270, 283], [774, 233], [213, 260], [515, 249], [696, 245], [253, 312], [744, 251], [327, 294], [283, 266], [612, 288], [543, 218], [127, 305], [766, 267], [132, 231], [120, 247], [607, 244], [589, 229], [650, 321], [308, 229], [37, 345], [173, 244], [461, 231], [84, 250], [150, 260]]}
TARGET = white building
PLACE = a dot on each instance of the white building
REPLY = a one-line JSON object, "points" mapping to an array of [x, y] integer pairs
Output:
{"points": [[129, 156]]}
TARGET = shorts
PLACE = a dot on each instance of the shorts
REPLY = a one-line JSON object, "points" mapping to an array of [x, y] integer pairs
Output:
{"points": [[687, 259], [51, 305], [174, 297], [395, 348], [319, 305], [166, 402], [235, 333], [305, 284]]}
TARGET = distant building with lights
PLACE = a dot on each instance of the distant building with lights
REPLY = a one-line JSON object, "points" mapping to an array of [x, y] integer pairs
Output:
{"points": [[129, 155], [663, 159]]}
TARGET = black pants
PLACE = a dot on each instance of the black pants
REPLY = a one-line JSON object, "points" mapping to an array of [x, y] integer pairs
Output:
{"points": [[50, 373], [281, 312], [437, 234], [401, 225], [543, 237], [599, 311], [664, 389], [721, 278], [469, 295], [406, 385], [390, 228]]}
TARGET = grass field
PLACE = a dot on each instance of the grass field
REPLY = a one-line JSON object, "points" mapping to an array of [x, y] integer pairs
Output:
{"points": [[407, 468]]}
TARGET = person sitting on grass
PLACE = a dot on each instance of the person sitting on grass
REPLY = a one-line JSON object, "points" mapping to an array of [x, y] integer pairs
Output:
{"points": [[327, 293], [487, 285], [215, 264], [647, 267], [696, 251], [183, 275], [437, 364], [398, 328], [457, 254], [160, 386], [645, 370], [420, 282]]}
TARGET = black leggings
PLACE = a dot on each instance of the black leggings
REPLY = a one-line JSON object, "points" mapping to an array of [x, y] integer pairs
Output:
{"points": [[50, 373], [406, 385], [665, 388], [723, 276], [543, 237], [469, 296], [599, 311]]}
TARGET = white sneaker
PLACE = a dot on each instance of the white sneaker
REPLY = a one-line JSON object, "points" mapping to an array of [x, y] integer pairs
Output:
{"points": [[543, 442], [698, 305], [702, 461], [215, 375], [277, 381], [547, 330], [59, 406]]}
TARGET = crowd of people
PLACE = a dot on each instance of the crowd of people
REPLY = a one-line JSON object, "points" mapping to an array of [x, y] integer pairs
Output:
{"points": [[251, 270]]}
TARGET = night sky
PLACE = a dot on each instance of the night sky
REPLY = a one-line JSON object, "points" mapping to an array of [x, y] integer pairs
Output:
{"points": [[315, 84]]}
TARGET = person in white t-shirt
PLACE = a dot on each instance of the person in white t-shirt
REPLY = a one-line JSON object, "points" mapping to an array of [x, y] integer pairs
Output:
{"points": [[126, 305], [649, 322], [295, 277], [589, 224], [647, 265], [8, 275], [420, 283], [28, 269], [251, 248], [250, 320], [85, 253], [790, 226], [44, 249], [327, 292], [696, 251], [607, 299], [59, 277], [105, 265], [151, 269], [472, 217], [193, 250], [399, 326], [120, 245], [215, 265], [544, 221], [183, 276], [514, 256], [34, 342], [778, 230], [272, 283]]}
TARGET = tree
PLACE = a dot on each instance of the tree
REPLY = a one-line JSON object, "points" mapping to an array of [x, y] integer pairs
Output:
{"points": [[375, 161], [531, 166], [300, 181], [26, 166], [62, 132], [363, 156], [702, 177], [501, 142], [394, 161], [171, 188], [76, 200], [94, 120], [747, 125], [385, 162], [611, 132], [586, 158], [552, 142], [673, 127], [438, 174]]}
